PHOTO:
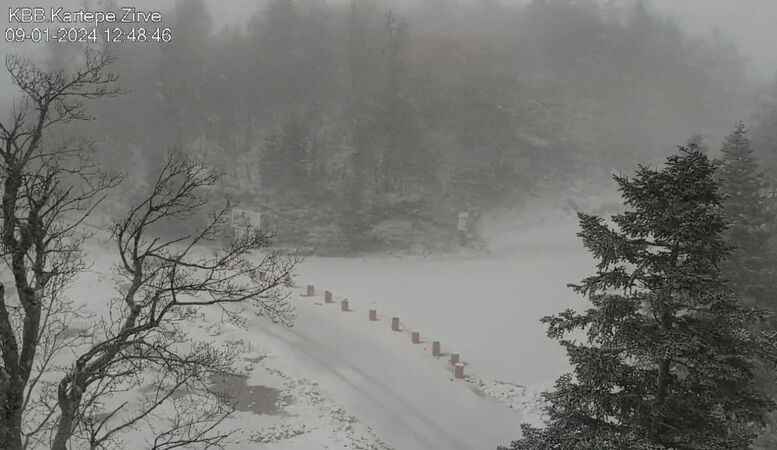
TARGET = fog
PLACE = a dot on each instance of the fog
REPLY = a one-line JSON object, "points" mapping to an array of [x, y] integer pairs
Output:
{"points": [[428, 158], [750, 22]]}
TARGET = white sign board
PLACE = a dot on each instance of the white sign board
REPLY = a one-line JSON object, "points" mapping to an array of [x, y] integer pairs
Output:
{"points": [[463, 221], [244, 219]]}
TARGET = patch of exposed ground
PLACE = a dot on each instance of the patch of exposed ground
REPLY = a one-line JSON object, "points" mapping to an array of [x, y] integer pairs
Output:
{"points": [[244, 397]]}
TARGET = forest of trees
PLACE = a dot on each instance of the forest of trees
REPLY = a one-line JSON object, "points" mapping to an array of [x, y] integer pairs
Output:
{"points": [[346, 122], [354, 126], [679, 349]]}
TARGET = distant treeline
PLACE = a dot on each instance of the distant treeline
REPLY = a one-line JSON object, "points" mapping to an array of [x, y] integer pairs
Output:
{"points": [[341, 117]]}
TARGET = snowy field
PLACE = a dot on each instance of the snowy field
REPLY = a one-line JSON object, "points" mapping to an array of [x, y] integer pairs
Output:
{"points": [[337, 380], [486, 307]]}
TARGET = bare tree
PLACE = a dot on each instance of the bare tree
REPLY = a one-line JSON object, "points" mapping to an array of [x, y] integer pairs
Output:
{"points": [[166, 281], [48, 191], [136, 367]]}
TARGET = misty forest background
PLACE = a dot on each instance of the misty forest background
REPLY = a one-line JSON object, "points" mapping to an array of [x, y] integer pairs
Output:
{"points": [[360, 127], [354, 128]]}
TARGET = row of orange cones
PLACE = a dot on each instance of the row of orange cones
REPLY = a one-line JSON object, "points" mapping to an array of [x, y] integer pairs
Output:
{"points": [[415, 336]]}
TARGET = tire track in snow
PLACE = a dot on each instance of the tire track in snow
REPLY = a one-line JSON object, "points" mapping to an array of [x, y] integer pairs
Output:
{"points": [[402, 412]]}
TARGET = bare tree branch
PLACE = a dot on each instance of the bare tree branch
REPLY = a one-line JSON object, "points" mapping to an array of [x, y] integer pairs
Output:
{"points": [[165, 279], [44, 200]]}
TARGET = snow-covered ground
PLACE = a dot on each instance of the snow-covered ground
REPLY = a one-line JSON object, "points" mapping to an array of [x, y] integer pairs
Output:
{"points": [[338, 380], [486, 307]]}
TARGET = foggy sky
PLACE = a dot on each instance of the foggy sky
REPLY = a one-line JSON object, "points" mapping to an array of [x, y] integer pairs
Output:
{"points": [[749, 22]]}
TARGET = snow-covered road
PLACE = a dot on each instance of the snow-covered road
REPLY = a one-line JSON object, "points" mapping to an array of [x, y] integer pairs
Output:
{"points": [[487, 308], [407, 396]]}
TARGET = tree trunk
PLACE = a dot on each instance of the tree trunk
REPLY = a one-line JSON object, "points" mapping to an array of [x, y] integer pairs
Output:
{"points": [[664, 366], [11, 420], [64, 428], [68, 406], [11, 397]]}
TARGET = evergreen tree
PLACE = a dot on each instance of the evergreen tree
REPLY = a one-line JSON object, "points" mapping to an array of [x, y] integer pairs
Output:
{"points": [[669, 361], [286, 159], [765, 129], [183, 68], [405, 159], [751, 267]]}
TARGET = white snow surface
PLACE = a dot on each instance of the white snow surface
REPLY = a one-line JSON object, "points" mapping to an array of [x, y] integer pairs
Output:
{"points": [[347, 382], [485, 306]]}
